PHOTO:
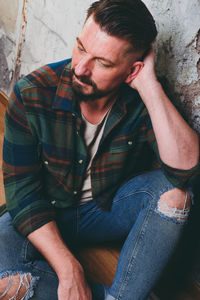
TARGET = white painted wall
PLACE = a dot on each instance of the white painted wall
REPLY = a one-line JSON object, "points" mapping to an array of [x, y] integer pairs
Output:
{"points": [[51, 31], [51, 28]]}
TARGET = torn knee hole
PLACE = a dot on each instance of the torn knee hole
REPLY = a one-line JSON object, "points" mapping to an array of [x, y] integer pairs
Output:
{"points": [[15, 287], [175, 207]]}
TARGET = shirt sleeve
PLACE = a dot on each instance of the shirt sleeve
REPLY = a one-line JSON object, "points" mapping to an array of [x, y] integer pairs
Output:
{"points": [[179, 178], [23, 183]]}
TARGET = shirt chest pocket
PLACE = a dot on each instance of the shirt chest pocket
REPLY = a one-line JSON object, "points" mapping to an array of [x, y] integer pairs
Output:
{"points": [[56, 168], [120, 146], [53, 165]]}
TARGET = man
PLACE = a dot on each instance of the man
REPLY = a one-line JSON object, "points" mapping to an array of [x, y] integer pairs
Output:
{"points": [[78, 142]]}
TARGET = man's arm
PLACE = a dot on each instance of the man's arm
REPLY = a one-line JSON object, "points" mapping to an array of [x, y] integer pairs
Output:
{"points": [[178, 144], [72, 283]]}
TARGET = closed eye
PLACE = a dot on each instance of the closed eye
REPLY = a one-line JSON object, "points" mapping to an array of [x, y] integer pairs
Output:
{"points": [[80, 45], [102, 63], [80, 49]]}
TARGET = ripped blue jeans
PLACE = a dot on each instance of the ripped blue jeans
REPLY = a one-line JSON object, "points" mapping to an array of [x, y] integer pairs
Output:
{"points": [[151, 232]]}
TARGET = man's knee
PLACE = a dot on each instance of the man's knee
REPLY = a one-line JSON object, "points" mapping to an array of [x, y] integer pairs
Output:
{"points": [[175, 203], [16, 286]]}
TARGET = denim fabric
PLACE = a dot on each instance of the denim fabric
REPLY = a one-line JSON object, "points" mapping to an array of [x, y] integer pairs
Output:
{"points": [[150, 240]]}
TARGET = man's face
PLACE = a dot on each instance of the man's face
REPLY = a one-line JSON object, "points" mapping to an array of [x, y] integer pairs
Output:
{"points": [[100, 62]]}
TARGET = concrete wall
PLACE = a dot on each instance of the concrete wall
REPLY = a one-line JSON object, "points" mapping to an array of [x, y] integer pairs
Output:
{"points": [[178, 51], [9, 33], [35, 32]]}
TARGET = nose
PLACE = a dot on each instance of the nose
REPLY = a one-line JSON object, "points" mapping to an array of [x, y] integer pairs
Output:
{"points": [[83, 68]]}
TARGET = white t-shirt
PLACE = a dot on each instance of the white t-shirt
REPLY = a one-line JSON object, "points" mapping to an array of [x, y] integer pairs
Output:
{"points": [[92, 136]]}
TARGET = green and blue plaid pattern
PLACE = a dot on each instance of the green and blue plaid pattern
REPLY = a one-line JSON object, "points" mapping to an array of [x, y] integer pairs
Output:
{"points": [[45, 157]]}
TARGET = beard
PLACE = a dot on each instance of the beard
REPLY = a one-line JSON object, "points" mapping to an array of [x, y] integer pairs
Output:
{"points": [[78, 89]]}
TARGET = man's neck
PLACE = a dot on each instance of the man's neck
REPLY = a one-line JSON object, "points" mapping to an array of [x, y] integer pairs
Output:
{"points": [[93, 111]]}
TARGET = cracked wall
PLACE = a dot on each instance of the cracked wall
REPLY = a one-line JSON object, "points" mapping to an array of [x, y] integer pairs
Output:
{"points": [[12, 37], [35, 32], [178, 52], [8, 41]]}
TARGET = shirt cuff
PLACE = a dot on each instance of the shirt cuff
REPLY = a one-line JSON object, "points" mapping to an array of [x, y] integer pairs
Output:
{"points": [[181, 179], [30, 220]]}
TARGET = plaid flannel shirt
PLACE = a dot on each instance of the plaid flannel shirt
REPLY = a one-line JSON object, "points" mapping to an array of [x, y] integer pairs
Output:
{"points": [[45, 156]]}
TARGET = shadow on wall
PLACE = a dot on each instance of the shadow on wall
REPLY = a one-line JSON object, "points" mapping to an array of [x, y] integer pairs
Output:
{"points": [[6, 74]]}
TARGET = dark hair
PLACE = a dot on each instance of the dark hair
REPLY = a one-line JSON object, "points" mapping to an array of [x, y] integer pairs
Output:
{"points": [[126, 19]]}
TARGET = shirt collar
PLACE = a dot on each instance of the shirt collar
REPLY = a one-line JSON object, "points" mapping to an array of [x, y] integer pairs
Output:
{"points": [[64, 97]]}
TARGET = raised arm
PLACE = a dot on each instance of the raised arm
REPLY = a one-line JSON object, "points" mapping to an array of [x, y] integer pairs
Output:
{"points": [[178, 144]]}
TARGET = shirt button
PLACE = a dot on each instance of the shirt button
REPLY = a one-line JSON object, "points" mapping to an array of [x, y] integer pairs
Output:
{"points": [[80, 161], [53, 202], [75, 192], [46, 162], [77, 133], [130, 143]]}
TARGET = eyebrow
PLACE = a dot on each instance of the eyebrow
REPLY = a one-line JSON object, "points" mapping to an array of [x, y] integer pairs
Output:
{"points": [[96, 57]]}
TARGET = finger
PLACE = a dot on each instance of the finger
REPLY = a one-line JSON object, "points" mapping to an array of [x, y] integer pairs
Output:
{"points": [[89, 294]]}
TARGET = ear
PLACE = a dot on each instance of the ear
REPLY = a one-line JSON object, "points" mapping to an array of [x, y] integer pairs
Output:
{"points": [[135, 69]]}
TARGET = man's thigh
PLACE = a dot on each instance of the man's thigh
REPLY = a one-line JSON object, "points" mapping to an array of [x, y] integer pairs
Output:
{"points": [[11, 244], [131, 202]]}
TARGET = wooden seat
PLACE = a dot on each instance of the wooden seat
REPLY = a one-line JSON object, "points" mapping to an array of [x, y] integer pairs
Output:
{"points": [[100, 262], [3, 105]]}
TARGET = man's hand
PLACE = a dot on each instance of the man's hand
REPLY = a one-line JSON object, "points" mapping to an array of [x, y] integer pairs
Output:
{"points": [[146, 75], [74, 287]]}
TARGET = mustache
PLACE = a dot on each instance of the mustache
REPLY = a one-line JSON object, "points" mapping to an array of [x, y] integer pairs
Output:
{"points": [[83, 79]]}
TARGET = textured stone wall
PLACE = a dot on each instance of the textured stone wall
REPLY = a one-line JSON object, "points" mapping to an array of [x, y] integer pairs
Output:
{"points": [[35, 32], [178, 51]]}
